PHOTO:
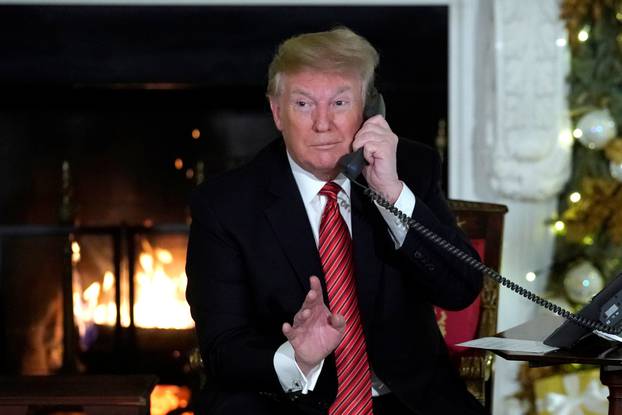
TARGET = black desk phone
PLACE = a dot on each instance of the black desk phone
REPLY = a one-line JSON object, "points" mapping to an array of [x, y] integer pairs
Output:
{"points": [[604, 313]]}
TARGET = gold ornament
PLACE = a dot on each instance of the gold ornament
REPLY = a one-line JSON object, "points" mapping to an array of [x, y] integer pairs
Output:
{"points": [[613, 150], [598, 211]]}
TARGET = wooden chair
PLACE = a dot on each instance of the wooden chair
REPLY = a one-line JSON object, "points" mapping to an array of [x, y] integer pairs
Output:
{"points": [[483, 224]]}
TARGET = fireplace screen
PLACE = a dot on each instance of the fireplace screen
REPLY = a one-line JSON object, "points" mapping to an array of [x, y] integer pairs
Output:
{"points": [[159, 284], [127, 296], [129, 304]]}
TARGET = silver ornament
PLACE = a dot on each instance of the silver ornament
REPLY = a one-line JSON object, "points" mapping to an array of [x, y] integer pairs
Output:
{"points": [[616, 170], [582, 282], [597, 127]]}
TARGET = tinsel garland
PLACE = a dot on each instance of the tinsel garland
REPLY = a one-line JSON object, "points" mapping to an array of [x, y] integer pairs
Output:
{"points": [[598, 212]]}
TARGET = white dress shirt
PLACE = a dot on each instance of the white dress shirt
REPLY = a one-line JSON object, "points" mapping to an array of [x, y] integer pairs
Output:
{"points": [[289, 374]]}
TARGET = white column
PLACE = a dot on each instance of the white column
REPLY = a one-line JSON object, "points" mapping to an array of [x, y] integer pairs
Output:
{"points": [[507, 109]]}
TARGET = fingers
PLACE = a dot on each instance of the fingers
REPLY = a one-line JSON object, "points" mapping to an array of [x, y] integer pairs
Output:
{"points": [[288, 331], [374, 135], [314, 283], [301, 316], [377, 133], [314, 296], [377, 119], [376, 123], [313, 305], [337, 321]]}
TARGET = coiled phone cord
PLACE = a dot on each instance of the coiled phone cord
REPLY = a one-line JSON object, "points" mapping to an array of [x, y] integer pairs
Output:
{"points": [[478, 266]]}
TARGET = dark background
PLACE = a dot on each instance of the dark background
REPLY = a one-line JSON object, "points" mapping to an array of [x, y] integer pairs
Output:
{"points": [[116, 91]]}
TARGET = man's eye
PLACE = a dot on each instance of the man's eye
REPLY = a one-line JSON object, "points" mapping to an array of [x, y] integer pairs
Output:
{"points": [[302, 104], [340, 103]]}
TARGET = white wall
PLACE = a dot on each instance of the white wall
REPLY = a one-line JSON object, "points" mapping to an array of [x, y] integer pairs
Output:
{"points": [[509, 96]]}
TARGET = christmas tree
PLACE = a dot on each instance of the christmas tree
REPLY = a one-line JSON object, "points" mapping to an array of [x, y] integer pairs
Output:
{"points": [[589, 228], [588, 245]]}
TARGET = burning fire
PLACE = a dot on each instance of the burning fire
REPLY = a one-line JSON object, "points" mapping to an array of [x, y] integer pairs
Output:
{"points": [[166, 398], [159, 297]]}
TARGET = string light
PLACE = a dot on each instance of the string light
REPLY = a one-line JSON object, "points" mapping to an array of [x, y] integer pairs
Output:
{"points": [[575, 197], [583, 34], [179, 164], [196, 133], [530, 276], [561, 42], [559, 226], [588, 240], [565, 138], [577, 133]]}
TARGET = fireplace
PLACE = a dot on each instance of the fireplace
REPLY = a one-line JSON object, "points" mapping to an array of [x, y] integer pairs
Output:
{"points": [[147, 326], [113, 244], [110, 117], [131, 298]]}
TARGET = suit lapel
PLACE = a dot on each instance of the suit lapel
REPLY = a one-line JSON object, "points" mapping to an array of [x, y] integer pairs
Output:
{"points": [[367, 267], [289, 220]]}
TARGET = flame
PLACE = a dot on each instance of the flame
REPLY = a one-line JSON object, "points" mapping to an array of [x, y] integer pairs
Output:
{"points": [[159, 297], [166, 398], [75, 252]]}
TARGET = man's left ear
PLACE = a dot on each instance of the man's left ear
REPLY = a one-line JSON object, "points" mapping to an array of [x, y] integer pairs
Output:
{"points": [[276, 114]]}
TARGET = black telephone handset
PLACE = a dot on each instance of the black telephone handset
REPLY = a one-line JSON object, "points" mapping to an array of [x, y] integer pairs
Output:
{"points": [[604, 313], [352, 164]]}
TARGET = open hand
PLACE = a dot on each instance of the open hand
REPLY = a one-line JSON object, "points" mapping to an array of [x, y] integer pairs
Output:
{"points": [[315, 331]]}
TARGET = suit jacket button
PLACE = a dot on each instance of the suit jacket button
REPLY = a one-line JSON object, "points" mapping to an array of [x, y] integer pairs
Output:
{"points": [[418, 255]]}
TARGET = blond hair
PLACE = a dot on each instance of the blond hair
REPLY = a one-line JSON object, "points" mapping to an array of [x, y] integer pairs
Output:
{"points": [[338, 50]]}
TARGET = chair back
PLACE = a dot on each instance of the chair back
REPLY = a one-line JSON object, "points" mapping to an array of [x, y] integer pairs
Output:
{"points": [[483, 224]]}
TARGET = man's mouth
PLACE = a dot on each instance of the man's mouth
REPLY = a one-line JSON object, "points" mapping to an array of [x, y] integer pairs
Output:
{"points": [[324, 146]]}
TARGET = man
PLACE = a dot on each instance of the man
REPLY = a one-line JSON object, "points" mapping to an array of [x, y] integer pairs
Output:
{"points": [[307, 296]]}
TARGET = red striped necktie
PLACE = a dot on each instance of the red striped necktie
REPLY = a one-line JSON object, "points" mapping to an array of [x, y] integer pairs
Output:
{"points": [[335, 247]]}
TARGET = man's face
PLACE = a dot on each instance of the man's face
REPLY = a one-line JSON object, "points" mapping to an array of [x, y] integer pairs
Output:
{"points": [[318, 114]]}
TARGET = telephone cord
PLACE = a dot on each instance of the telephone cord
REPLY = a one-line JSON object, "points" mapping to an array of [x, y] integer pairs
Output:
{"points": [[478, 266]]}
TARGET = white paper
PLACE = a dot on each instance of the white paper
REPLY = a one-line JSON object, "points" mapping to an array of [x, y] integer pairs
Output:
{"points": [[608, 336], [513, 345]]}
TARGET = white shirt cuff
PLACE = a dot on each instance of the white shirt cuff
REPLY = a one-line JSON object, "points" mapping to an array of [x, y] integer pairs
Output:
{"points": [[406, 203], [290, 376]]}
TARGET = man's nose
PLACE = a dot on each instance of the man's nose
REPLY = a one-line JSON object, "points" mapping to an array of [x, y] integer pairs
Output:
{"points": [[323, 118]]}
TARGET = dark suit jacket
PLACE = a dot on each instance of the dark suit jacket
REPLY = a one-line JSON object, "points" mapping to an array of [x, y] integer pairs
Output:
{"points": [[251, 252]]}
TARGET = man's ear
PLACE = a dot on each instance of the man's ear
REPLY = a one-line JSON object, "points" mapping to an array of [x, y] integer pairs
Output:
{"points": [[275, 107]]}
